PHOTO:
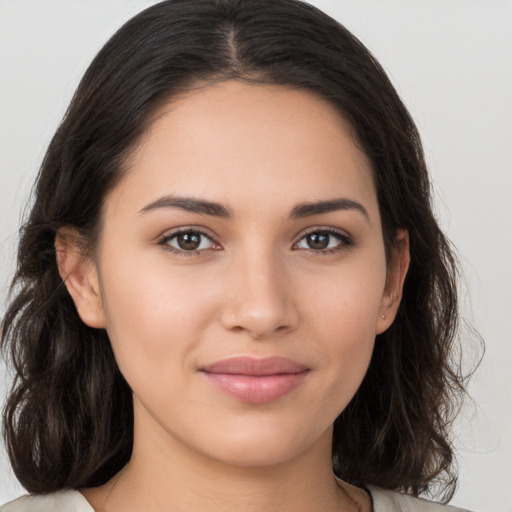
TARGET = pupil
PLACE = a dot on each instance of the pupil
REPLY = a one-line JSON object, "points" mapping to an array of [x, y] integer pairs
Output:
{"points": [[318, 240], [189, 241]]}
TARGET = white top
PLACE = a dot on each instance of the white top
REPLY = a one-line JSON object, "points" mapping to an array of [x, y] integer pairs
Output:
{"points": [[62, 501], [74, 501]]}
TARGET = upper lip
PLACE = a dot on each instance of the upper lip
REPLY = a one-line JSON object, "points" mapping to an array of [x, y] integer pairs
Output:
{"points": [[253, 366]]}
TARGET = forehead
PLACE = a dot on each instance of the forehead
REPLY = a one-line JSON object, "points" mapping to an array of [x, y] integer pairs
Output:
{"points": [[249, 145]]}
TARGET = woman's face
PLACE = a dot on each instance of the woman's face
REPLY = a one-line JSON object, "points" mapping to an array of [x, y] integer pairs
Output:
{"points": [[241, 274]]}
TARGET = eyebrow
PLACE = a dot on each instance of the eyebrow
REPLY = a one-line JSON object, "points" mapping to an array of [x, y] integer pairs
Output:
{"points": [[190, 205], [300, 211], [331, 205]]}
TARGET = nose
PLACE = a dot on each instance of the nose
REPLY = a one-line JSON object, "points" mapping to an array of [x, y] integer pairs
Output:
{"points": [[260, 299]]}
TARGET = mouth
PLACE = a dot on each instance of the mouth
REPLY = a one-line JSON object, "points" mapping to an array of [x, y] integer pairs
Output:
{"points": [[256, 381]]}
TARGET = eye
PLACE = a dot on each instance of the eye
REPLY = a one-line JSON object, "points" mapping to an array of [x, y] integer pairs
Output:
{"points": [[324, 240], [190, 240]]}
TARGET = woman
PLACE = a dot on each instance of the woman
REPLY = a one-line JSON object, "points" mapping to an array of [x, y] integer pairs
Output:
{"points": [[232, 293]]}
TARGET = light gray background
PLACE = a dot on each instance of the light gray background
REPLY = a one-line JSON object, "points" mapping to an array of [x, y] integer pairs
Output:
{"points": [[451, 61]]}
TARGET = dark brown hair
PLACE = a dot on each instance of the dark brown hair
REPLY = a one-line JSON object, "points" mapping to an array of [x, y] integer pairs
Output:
{"points": [[68, 421]]}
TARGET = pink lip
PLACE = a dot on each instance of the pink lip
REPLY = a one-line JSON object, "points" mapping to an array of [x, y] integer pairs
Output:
{"points": [[256, 381]]}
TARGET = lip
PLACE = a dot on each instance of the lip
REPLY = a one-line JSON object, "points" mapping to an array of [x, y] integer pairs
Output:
{"points": [[253, 380]]}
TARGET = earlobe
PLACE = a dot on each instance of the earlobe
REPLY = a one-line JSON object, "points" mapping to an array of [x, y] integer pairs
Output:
{"points": [[397, 270], [80, 276]]}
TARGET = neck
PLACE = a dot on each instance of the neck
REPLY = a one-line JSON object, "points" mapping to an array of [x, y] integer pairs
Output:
{"points": [[164, 474]]}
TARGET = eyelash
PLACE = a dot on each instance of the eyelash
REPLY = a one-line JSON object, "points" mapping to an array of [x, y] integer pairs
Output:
{"points": [[166, 239], [346, 242]]}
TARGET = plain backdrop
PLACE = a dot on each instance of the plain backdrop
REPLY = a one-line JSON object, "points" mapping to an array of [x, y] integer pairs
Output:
{"points": [[451, 61]]}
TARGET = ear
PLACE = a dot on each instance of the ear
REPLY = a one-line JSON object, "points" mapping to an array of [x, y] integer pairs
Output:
{"points": [[80, 276], [397, 270]]}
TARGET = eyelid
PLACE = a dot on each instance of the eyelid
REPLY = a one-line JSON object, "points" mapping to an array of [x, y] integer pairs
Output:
{"points": [[168, 235], [346, 240]]}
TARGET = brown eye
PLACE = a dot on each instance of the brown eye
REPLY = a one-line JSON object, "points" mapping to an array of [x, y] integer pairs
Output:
{"points": [[189, 241], [324, 240], [318, 241]]}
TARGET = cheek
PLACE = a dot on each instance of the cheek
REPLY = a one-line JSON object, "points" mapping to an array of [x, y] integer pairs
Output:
{"points": [[346, 301], [154, 315], [343, 318]]}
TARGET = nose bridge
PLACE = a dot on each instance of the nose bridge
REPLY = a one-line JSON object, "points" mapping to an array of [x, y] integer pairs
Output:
{"points": [[259, 299]]}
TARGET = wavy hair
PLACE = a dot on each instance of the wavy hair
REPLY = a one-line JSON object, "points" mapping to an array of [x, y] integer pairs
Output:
{"points": [[68, 420]]}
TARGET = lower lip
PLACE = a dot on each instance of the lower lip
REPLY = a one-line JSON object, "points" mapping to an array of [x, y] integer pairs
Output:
{"points": [[259, 389]]}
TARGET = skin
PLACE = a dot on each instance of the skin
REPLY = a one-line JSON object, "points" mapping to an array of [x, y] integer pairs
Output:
{"points": [[255, 287]]}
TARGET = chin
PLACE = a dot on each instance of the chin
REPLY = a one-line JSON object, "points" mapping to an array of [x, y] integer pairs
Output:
{"points": [[261, 455], [265, 446]]}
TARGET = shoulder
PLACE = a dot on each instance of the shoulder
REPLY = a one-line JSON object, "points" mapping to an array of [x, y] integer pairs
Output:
{"points": [[390, 501], [63, 501]]}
